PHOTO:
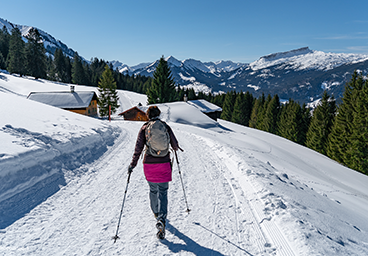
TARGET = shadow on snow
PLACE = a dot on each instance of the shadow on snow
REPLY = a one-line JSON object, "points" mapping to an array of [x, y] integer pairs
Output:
{"points": [[190, 245]]}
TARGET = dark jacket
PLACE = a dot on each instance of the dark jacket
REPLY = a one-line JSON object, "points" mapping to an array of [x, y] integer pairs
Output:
{"points": [[149, 159]]}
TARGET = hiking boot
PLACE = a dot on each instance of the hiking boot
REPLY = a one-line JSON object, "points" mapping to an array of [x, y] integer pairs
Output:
{"points": [[160, 225]]}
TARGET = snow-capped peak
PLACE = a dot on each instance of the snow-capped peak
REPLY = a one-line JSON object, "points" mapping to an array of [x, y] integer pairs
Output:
{"points": [[288, 54], [192, 63], [174, 62], [304, 58]]}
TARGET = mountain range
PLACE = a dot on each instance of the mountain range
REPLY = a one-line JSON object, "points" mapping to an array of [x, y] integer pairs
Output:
{"points": [[301, 74]]}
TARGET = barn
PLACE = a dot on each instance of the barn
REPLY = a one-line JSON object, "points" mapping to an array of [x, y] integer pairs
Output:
{"points": [[137, 113], [84, 102]]}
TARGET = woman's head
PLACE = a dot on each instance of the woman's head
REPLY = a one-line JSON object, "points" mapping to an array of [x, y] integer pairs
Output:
{"points": [[153, 112]]}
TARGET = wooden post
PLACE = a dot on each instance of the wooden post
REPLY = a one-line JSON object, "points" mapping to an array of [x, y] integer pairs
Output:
{"points": [[109, 113]]}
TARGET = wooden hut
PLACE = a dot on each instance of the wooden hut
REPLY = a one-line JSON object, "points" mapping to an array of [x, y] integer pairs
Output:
{"points": [[135, 114], [84, 102]]}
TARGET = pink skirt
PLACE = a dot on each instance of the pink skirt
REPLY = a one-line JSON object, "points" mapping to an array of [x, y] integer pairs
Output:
{"points": [[158, 173]]}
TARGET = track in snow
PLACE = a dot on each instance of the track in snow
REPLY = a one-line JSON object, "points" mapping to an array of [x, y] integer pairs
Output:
{"points": [[80, 219]]}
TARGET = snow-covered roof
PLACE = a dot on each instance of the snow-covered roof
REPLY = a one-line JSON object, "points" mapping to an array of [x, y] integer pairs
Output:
{"points": [[66, 100], [204, 106]]}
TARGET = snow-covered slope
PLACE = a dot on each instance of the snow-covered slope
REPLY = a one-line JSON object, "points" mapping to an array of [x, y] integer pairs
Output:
{"points": [[63, 178]]}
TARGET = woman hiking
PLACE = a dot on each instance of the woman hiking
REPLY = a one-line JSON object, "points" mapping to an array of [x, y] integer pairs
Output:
{"points": [[157, 136]]}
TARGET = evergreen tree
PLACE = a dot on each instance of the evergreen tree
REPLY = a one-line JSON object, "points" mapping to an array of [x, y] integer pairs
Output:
{"points": [[219, 100], [16, 56], [60, 66], [228, 106], [50, 68], [262, 113], [163, 87], [78, 74], [321, 124], [68, 75], [359, 143], [306, 119], [191, 94], [271, 115], [238, 115], [255, 119], [242, 108], [249, 101], [339, 146], [292, 121], [4, 46], [2, 61], [35, 55], [108, 95]]}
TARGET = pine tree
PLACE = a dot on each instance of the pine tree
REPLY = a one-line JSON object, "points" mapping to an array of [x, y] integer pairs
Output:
{"points": [[219, 100], [35, 55], [228, 107], [2, 61], [78, 74], [4, 46], [256, 112], [359, 136], [163, 87], [60, 66], [108, 95], [291, 122], [237, 115], [249, 102], [68, 76], [242, 108], [339, 146], [321, 124], [271, 115], [16, 57], [306, 119]]}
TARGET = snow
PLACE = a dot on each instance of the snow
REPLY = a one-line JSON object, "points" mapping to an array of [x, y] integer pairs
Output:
{"points": [[63, 177], [63, 99], [255, 87], [304, 59], [204, 106]]}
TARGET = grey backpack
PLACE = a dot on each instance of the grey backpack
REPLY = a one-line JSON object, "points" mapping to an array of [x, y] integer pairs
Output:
{"points": [[157, 138]]}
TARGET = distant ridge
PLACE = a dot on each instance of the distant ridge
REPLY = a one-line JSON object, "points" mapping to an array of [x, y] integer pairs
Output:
{"points": [[296, 52]]}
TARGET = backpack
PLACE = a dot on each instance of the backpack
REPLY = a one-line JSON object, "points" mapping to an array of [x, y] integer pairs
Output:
{"points": [[157, 138]]}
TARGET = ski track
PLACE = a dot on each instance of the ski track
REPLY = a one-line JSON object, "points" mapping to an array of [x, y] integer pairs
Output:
{"points": [[227, 219], [268, 237]]}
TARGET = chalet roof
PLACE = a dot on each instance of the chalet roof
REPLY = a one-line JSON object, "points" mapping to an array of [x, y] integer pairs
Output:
{"points": [[65, 100], [138, 108], [204, 106]]}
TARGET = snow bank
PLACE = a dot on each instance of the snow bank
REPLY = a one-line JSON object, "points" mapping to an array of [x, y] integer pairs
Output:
{"points": [[40, 142]]}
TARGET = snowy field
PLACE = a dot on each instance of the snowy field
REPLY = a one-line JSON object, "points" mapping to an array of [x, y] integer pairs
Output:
{"points": [[63, 177]]}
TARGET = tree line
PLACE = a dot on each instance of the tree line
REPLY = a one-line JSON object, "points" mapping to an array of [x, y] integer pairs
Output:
{"points": [[30, 58], [337, 131]]}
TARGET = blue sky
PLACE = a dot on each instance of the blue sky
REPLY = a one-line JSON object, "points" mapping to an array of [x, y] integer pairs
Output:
{"points": [[137, 31]]}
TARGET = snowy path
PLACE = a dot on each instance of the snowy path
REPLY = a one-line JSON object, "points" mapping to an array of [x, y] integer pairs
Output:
{"points": [[223, 220]]}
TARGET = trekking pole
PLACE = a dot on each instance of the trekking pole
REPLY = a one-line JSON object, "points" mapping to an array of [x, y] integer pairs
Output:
{"points": [[182, 184], [122, 206]]}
